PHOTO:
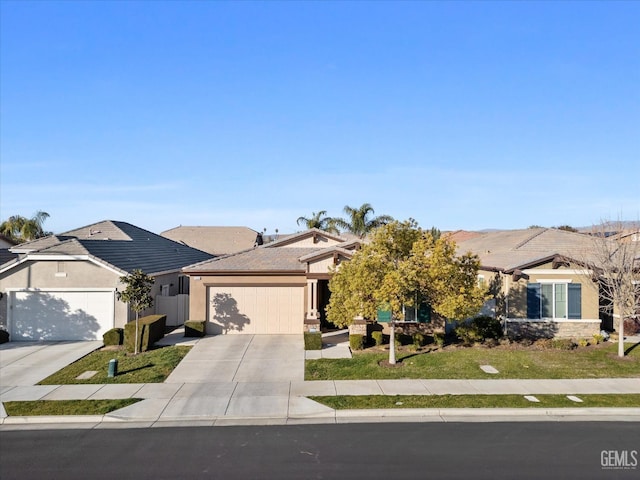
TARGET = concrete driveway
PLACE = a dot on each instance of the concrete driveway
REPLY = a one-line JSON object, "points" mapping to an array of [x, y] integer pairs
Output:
{"points": [[26, 363], [242, 359]]}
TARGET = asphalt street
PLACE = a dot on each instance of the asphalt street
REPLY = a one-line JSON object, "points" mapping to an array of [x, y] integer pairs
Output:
{"points": [[356, 451]]}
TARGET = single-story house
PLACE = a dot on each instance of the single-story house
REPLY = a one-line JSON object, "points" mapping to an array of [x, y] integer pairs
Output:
{"points": [[279, 287], [214, 240], [540, 283], [64, 287]]}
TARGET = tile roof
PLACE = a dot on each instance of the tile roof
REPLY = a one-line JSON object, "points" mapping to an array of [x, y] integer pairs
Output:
{"points": [[121, 245], [509, 249], [215, 240], [259, 259]]}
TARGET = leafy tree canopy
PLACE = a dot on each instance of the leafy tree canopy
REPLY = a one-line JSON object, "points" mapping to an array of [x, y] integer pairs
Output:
{"points": [[403, 265], [138, 291]]}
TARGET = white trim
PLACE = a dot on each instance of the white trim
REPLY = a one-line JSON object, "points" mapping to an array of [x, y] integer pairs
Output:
{"points": [[62, 258], [550, 271], [63, 289], [557, 280], [552, 320]]}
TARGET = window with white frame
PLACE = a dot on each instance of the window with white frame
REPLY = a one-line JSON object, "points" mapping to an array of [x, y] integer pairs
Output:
{"points": [[549, 300]]}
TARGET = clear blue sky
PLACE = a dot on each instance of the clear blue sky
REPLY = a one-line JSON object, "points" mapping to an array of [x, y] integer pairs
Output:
{"points": [[460, 115]]}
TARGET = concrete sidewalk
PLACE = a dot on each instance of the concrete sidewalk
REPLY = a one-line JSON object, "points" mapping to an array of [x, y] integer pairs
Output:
{"points": [[259, 380]]}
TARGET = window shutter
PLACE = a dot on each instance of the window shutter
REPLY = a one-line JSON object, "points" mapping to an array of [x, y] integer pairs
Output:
{"points": [[575, 301], [424, 313], [533, 300]]}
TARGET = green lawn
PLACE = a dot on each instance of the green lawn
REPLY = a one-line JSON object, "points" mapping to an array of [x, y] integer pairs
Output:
{"points": [[153, 366], [596, 361], [346, 402], [66, 407]]}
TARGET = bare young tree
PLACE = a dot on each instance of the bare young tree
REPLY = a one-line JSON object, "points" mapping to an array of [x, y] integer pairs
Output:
{"points": [[614, 260]]}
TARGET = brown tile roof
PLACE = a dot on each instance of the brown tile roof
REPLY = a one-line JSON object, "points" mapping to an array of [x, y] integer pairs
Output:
{"points": [[461, 235], [259, 259], [510, 249], [214, 240]]}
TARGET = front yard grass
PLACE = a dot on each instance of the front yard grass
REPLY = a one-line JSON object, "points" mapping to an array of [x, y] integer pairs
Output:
{"points": [[596, 361], [347, 402], [66, 407], [153, 366]]}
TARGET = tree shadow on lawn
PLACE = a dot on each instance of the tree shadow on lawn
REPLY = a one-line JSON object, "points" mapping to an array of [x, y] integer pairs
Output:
{"points": [[131, 370]]}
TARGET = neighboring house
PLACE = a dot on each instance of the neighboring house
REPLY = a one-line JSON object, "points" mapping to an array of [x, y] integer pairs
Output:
{"points": [[280, 287], [541, 286], [214, 240], [5, 254], [63, 287]]}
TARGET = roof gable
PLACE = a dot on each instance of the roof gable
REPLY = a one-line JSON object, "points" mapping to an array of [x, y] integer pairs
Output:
{"points": [[313, 238]]}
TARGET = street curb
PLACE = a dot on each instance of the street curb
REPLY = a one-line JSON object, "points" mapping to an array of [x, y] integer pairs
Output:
{"points": [[342, 416]]}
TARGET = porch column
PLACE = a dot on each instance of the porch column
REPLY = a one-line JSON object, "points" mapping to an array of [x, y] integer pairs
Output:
{"points": [[312, 299]]}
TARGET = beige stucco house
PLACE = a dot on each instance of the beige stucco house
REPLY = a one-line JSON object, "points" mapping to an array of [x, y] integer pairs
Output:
{"points": [[64, 287], [541, 285], [280, 287]]}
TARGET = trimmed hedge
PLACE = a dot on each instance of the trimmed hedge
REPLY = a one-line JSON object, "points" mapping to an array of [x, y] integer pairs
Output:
{"points": [[377, 337], [312, 340], [150, 329], [4, 336], [479, 329], [195, 328], [356, 341], [115, 336]]}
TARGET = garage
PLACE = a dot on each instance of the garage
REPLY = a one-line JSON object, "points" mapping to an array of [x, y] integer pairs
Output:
{"points": [[256, 309], [55, 315]]}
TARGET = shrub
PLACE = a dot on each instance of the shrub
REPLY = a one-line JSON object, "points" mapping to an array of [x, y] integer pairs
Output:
{"points": [[312, 340], [356, 341], [631, 326], [598, 338], [150, 330], [563, 344], [195, 328], [115, 336], [377, 337], [419, 339], [479, 329], [439, 338], [583, 342], [4, 336]]}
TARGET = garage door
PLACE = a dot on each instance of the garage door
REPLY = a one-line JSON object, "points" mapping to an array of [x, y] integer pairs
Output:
{"points": [[60, 315], [255, 309]]}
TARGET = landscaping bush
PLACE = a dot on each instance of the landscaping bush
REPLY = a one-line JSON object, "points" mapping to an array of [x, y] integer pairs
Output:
{"points": [[479, 329], [583, 342], [563, 344], [356, 341], [312, 340], [419, 339], [195, 328], [631, 326], [439, 338], [4, 336], [115, 336], [377, 337], [150, 330], [598, 338]]}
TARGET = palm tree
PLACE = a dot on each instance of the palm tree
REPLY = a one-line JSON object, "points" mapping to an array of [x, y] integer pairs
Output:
{"points": [[22, 229], [359, 221], [318, 220]]}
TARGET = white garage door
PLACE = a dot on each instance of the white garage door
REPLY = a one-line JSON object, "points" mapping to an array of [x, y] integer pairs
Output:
{"points": [[60, 315], [255, 309]]}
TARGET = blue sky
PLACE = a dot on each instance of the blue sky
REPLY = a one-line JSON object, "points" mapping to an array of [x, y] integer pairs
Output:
{"points": [[462, 115]]}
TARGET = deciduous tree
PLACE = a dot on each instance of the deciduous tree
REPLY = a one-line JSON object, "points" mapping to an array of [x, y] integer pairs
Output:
{"points": [[137, 294]]}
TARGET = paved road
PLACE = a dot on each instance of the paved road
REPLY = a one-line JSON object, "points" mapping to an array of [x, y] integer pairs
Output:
{"points": [[367, 451]]}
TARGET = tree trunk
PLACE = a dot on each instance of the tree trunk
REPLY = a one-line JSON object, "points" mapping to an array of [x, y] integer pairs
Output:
{"points": [[392, 343], [135, 348], [621, 336]]}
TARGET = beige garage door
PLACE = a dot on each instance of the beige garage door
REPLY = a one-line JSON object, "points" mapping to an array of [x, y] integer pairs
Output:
{"points": [[255, 309]]}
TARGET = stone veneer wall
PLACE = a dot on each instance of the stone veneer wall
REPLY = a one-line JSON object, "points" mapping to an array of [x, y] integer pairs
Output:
{"points": [[517, 328]]}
